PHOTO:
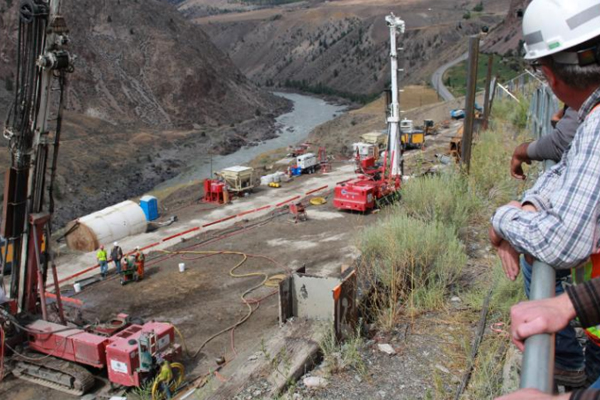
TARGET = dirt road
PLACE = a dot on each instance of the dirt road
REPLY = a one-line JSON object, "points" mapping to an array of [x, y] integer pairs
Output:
{"points": [[437, 79]]}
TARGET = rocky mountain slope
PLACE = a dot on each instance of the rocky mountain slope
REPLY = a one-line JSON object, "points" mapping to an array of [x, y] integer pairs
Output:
{"points": [[141, 62], [342, 46], [149, 91], [506, 39]]}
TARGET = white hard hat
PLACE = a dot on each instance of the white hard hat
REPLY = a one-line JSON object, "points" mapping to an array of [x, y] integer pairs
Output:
{"points": [[553, 26], [115, 244]]}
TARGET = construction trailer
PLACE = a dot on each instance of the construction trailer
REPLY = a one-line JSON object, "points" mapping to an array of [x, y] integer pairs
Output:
{"points": [[308, 163], [239, 179], [380, 182], [411, 137], [44, 347]]}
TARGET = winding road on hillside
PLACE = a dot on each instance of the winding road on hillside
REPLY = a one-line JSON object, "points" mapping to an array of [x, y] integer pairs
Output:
{"points": [[437, 79]]}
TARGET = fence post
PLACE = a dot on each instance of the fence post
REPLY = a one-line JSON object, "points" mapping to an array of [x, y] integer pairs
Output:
{"points": [[488, 92], [467, 140]]}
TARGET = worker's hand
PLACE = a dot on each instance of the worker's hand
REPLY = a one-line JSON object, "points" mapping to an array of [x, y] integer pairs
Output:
{"points": [[510, 260], [540, 316], [533, 394], [518, 158], [495, 239]]}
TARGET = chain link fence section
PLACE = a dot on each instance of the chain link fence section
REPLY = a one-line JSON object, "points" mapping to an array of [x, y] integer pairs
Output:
{"points": [[544, 105]]}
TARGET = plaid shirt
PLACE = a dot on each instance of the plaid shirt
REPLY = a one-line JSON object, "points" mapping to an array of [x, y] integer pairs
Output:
{"points": [[565, 230]]}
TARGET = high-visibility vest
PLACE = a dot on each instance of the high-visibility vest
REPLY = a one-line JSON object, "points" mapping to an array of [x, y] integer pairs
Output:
{"points": [[586, 273], [101, 255]]}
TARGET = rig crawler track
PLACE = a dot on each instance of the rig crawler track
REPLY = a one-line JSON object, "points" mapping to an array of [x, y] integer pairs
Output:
{"points": [[56, 374]]}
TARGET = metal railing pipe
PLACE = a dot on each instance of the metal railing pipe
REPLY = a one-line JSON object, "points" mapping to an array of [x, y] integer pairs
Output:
{"points": [[537, 371]]}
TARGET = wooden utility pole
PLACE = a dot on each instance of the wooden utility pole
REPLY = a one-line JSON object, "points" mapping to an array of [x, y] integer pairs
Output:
{"points": [[467, 139]]}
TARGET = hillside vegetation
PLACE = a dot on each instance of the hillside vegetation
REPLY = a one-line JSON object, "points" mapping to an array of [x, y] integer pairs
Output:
{"points": [[342, 47], [430, 271]]}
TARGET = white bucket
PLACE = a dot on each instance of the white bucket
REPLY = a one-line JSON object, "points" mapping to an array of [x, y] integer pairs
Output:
{"points": [[77, 287], [181, 267]]}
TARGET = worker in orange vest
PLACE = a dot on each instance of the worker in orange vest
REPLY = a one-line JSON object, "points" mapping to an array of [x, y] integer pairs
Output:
{"points": [[140, 259]]}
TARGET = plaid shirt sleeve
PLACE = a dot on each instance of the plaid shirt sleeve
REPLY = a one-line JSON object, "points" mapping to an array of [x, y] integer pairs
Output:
{"points": [[586, 301], [563, 231]]}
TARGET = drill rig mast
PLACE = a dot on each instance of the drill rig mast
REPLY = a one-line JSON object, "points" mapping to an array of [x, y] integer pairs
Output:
{"points": [[128, 352], [42, 66], [397, 27], [376, 184]]}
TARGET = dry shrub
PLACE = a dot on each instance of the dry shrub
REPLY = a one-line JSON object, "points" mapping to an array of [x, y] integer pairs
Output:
{"points": [[409, 263], [490, 168], [445, 198]]}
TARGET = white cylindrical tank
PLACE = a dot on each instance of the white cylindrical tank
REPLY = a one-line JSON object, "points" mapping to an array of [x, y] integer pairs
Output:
{"points": [[106, 226]]}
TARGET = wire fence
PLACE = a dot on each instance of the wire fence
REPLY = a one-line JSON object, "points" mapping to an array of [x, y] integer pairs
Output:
{"points": [[538, 359], [543, 103]]}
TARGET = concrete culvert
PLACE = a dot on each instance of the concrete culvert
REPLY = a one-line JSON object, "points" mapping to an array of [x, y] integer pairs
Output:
{"points": [[106, 226]]}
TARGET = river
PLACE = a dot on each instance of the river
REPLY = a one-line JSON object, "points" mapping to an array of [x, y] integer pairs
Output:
{"points": [[307, 114]]}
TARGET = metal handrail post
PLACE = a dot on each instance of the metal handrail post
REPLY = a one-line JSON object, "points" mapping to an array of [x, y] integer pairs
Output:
{"points": [[537, 371]]}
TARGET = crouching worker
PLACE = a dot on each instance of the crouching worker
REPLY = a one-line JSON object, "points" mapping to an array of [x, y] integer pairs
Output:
{"points": [[140, 260]]}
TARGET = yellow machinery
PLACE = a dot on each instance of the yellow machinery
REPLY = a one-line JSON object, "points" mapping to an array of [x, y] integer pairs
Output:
{"points": [[239, 179], [411, 137]]}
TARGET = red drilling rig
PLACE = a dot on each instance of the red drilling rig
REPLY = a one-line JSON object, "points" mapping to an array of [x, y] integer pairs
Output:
{"points": [[376, 183], [43, 345]]}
